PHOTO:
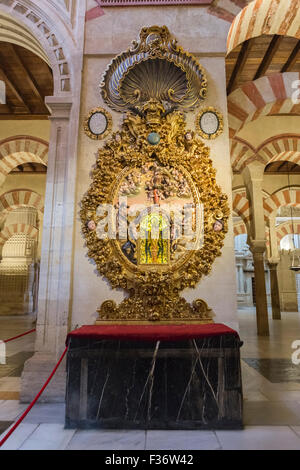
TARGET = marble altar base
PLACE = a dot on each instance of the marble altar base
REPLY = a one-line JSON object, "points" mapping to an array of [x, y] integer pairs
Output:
{"points": [[191, 384]]}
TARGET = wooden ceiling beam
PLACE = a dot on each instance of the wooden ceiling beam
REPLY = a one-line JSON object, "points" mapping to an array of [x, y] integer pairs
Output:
{"points": [[23, 117], [295, 166], [239, 65], [282, 165], [27, 75], [292, 59], [269, 56], [5, 109], [9, 82], [33, 168]]}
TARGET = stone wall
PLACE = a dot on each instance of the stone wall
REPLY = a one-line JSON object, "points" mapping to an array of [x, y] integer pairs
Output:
{"points": [[105, 37]]}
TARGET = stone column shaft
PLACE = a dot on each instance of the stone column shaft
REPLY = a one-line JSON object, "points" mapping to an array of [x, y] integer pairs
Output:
{"points": [[253, 177], [276, 314], [261, 295]]}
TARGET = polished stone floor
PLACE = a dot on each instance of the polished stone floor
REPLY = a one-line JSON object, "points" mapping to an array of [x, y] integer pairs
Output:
{"points": [[271, 387]]}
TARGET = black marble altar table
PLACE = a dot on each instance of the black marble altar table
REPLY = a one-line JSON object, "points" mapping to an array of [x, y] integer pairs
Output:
{"points": [[154, 377]]}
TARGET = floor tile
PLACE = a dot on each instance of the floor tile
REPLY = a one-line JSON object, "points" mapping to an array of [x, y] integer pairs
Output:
{"points": [[46, 413], [272, 413], [10, 395], [48, 437], [286, 395], [275, 370], [254, 396], [4, 425], [296, 429], [11, 409], [260, 438], [18, 437], [181, 440], [107, 440]]}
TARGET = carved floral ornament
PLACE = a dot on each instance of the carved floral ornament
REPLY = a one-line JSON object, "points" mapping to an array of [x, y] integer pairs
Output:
{"points": [[153, 163]]}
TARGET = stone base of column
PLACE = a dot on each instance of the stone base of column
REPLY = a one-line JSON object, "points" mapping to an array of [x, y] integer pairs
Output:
{"points": [[36, 371]]}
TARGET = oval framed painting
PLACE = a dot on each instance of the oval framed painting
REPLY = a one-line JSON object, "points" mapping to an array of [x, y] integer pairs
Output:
{"points": [[209, 123], [98, 124]]}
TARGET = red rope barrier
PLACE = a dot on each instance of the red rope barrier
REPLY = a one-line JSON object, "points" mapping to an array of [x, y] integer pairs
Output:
{"points": [[33, 402], [19, 336]]}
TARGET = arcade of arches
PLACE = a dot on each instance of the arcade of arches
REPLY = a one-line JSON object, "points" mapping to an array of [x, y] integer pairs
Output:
{"points": [[52, 56]]}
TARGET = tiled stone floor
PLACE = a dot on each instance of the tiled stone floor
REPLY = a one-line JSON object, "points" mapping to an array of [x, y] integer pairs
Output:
{"points": [[271, 402]]}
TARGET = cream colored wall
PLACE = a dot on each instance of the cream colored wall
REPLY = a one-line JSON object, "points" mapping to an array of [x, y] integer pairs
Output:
{"points": [[35, 128], [34, 182], [106, 37], [271, 183], [256, 132]]}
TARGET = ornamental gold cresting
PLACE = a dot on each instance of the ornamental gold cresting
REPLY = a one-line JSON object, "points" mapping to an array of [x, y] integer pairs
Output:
{"points": [[154, 219]]}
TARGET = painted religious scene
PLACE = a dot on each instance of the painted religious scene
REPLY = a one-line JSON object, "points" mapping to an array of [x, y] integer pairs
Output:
{"points": [[164, 219]]}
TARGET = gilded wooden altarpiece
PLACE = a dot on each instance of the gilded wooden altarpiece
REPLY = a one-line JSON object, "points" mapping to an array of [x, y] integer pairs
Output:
{"points": [[154, 162]]}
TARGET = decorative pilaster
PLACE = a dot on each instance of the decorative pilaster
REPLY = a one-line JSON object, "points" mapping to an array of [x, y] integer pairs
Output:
{"points": [[56, 256], [55, 286]]}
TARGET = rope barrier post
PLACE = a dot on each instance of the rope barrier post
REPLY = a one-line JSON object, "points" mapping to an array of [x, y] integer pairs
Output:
{"points": [[34, 401]]}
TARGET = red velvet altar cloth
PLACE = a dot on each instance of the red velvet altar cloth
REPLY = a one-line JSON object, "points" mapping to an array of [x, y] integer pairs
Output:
{"points": [[151, 332]]}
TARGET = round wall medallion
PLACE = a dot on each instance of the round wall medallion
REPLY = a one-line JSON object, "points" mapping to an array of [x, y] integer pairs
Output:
{"points": [[98, 124], [209, 123]]}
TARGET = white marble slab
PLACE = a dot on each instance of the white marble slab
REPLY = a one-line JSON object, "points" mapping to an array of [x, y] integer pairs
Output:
{"points": [[19, 436], [260, 438], [271, 413], [51, 413], [107, 440], [11, 409], [48, 437], [181, 440]]}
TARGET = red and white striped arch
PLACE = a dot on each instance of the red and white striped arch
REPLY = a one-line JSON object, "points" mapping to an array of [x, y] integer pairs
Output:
{"points": [[239, 228], [265, 96], [241, 206], [283, 197], [20, 198], [13, 229], [285, 229], [285, 147], [241, 151], [18, 150], [281, 148], [261, 17]]}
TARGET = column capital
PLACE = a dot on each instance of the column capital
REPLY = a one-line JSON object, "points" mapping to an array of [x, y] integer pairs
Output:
{"points": [[273, 263], [253, 172], [257, 246], [59, 106]]}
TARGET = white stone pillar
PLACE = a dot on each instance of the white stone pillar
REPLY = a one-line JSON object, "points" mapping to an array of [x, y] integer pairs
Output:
{"points": [[56, 257]]}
